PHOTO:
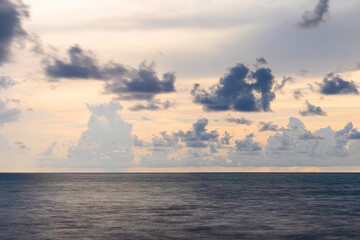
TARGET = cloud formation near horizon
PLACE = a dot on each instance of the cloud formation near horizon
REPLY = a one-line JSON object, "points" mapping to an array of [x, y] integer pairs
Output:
{"points": [[314, 18], [238, 90], [106, 144]]}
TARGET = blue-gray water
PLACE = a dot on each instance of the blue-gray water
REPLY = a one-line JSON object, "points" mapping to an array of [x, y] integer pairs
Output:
{"points": [[180, 206]]}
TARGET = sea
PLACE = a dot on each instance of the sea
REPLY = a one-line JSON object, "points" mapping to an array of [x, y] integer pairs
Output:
{"points": [[180, 206]]}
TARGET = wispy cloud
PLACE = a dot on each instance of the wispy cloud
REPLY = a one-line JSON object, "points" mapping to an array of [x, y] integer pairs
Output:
{"points": [[314, 18]]}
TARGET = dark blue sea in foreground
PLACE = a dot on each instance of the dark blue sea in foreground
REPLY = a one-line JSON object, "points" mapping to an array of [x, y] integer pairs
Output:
{"points": [[180, 206]]}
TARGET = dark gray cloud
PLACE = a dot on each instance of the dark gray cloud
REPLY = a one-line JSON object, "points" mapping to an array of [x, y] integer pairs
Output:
{"points": [[8, 114], [6, 82], [312, 110], [141, 84], [126, 82], [238, 90], [11, 15], [198, 136], [269, 126], [354, 134], [153, 105], [333, 85], [81, 65], [239, 120], [248, 144], [297, 94], [261, 60], [314, 18], [225, 140], [281, 85]]}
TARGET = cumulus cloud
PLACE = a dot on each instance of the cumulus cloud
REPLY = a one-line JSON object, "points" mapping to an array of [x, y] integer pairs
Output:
{"points": [[294, 145], [354, 134], [238, 91], [81, 65], [106, 144], [125, 82], [49, 151], [314, 18], [269, 126], [312, 110], [8, 114], [333, 85], [198, 136], [239, 120], [11, 16], [141, 84], [248, 145], [6, 82]]}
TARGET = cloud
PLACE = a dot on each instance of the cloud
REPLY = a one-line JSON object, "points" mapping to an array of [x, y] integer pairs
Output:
{"points": [[126, 82], [6, 82], [152, 105], [354, 134], [294, 145], [248, 145], [49, 151], [20, 144], [141, 84], [106, 144], [314, 18], [309, 136], [312, 110], [298, 94], [333, 85], [239, 120], [281, 85], [11, 16], [225, 140], [238, 90], [165, 140], [198, 136], [8, 114], [81, 65], [269, 126]]}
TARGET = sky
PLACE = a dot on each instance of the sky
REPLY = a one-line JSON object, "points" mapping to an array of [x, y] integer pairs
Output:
{"points": [[179, 86]]}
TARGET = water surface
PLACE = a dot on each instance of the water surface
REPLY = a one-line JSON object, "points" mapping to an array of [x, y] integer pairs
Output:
{"points": [[180, 206]]}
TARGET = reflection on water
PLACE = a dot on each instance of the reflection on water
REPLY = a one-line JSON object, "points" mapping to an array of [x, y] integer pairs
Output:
{"points": [[180, 206]]}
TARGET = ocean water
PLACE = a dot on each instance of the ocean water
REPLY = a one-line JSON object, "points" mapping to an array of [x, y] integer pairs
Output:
{"points": [[180, 206]]}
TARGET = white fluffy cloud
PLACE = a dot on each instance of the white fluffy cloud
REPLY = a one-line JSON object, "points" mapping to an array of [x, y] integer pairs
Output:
{"points": [[106, 144]]}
